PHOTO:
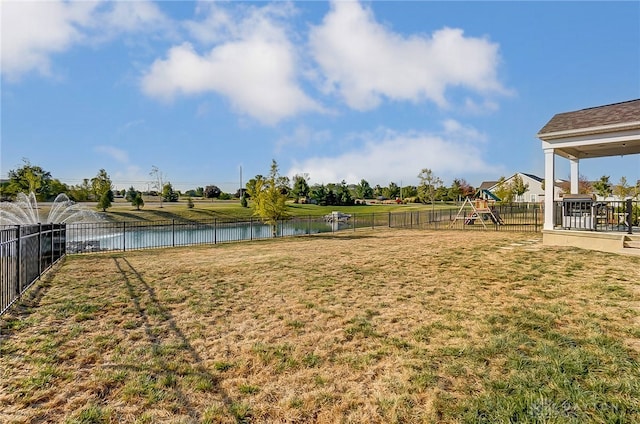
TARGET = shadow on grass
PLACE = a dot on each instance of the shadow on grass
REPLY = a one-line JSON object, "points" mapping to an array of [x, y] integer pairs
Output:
{"points": [[30, 299], [131, 216], [343, 236], [138, 290]]}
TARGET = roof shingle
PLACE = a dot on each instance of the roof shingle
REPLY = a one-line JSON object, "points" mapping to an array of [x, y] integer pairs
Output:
{"points": [[617, 113]]}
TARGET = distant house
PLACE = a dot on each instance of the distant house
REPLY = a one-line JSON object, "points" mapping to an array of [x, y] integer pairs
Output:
{"points": [[534, 193], [484, 190]]}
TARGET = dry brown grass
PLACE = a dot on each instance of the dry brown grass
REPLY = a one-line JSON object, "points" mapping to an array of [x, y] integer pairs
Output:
{"points": [[384, 326]]}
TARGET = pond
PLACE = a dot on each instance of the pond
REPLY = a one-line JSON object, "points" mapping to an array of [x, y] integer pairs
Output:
{"points": [[87, 237]]}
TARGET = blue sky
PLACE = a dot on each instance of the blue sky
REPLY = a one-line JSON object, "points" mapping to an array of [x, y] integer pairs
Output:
{"points": [[336, 90]]}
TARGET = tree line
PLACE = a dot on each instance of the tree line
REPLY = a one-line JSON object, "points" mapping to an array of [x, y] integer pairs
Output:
{"points": [[33, 178]]}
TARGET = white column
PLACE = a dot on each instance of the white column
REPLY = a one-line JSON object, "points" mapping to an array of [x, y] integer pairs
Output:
{"points": [[575, 167], [549, 188]]}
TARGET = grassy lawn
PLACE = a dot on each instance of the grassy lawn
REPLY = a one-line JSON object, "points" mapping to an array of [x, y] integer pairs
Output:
{"points": [[370, 327], [224, 209]]}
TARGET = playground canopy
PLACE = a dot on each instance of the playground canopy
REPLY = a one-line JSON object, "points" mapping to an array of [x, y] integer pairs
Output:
{"points": [[486, 194]]}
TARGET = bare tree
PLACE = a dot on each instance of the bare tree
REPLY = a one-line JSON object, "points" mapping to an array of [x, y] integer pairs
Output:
{"points": [[157, 180]]}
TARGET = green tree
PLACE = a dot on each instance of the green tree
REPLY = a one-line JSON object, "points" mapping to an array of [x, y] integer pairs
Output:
{"points": [[168, 194], [603, 187], [459, 190], [428, 187], [392, 191], [319, 194], [30, 179], [623, 189], [190, 204], [137, 201], [81, 192], [343, 195], [330, 199], [5, 194], [409, 191], [364, 190], [131, 194], [455, 192], [518, 186], [269, 201], [504, 190], [57, 187], [212, 192], [300, 187], [442, 193], [251, 185], [102, 189]]}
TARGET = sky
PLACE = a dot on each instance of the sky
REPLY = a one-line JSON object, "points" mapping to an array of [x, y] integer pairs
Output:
{"points": [[210, 92]]}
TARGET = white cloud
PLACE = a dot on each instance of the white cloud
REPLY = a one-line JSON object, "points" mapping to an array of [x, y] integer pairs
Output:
{"points": [[134, 16], [216, 27], [365, 61], [114, 153], [303, 136], [387, 155], [487, 106], [129, 126], [32, 32], [256, 70]]}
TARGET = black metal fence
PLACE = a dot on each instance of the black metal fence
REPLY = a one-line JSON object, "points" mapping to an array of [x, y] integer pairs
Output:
{"points": [[590, 215], [124, 236], [511, 217], [26, 252]]}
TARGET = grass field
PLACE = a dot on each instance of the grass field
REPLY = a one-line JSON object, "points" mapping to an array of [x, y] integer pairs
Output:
{"points": [[205, 209], [371, 327]]}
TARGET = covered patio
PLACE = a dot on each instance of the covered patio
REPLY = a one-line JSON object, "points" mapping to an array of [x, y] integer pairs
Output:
{"points": [[609, 130]]}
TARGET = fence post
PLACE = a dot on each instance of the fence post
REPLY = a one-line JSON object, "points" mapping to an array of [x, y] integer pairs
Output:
{"points": [[215, 231], [250, 228], [173, 233], [373, 221], [629, 208], [124, 236], [52, 251], [389, 219], [18, 261], [535, 219], [355, 217], [39, 249]]}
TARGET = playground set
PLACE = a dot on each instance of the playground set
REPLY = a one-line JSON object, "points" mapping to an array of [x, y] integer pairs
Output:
{"points": [[480, 210]]}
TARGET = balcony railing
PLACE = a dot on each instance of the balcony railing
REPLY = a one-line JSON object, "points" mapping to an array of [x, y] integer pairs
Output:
{"points": [[604, 216]]}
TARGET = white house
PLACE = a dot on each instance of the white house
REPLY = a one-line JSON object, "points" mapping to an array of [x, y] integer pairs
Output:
{"points": [[534, 193]]}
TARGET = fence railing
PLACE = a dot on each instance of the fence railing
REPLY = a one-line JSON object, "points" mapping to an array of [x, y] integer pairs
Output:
{"points": [[515, 217], [123, 236], [589, 215], [26, 252]]}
